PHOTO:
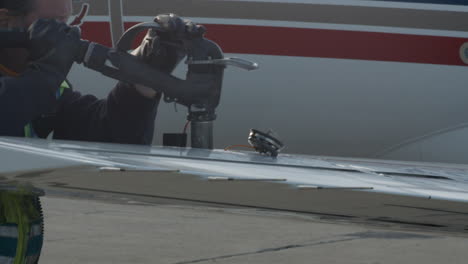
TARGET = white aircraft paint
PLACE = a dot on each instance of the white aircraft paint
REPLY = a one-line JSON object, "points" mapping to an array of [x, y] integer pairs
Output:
{"points": [[337, 107], [386, 4], [332, 106]]}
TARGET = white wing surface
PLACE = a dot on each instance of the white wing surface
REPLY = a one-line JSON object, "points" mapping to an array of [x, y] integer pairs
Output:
{"points": [[426, 195]]}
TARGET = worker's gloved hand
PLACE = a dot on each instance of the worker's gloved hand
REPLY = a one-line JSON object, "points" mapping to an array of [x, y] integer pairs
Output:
{"points": [[178, 29], [164, 49], [162, 56], [54, 45]]}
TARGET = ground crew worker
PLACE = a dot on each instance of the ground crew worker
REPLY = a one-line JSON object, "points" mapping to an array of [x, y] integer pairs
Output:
{"points": [[36, 99]]}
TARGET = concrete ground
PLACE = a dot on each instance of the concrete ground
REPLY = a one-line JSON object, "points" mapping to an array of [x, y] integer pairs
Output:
{"points": [[82, 230]]}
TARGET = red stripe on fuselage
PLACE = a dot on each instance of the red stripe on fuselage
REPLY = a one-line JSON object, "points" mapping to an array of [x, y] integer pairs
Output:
{"points": [[339, 44], [99, 32], [322, 43]]}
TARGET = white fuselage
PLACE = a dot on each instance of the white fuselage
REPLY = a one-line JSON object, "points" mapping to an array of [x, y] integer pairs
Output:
{"points": [[333, 106]]}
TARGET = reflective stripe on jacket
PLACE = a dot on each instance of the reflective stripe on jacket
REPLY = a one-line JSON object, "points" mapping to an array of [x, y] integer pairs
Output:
{"points": [[21, 228], [29, 128]]}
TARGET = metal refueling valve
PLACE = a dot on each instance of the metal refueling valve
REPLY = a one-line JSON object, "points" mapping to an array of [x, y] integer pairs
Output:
{"points": [[200, 92]]}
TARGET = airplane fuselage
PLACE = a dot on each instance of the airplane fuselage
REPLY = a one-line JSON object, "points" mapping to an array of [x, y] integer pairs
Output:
{"points": [[372, 79]]}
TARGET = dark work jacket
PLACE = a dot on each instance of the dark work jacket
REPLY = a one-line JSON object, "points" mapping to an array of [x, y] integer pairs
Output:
{"points": [[124, 117]]}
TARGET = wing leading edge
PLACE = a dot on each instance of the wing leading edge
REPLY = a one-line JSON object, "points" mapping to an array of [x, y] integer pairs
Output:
{"points": [[425, 195]]}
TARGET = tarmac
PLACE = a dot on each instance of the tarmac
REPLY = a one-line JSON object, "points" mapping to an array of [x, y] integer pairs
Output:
{"points": [[118, 229]]}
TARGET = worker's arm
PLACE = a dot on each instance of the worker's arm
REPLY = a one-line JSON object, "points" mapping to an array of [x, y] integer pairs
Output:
{"points": [[32, 94], [125, 116], [26, 97], [128, 113]]}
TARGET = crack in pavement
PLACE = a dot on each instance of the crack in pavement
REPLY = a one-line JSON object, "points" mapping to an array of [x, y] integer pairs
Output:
{"points": [[268, 250], [343, 238]]}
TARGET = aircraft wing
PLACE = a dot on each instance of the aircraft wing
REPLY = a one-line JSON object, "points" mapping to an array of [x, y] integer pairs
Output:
{"points": [[427, 195]]}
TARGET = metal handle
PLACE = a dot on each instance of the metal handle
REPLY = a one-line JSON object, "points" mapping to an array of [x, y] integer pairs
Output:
{"points": [[236, 62], [126, 41]]}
